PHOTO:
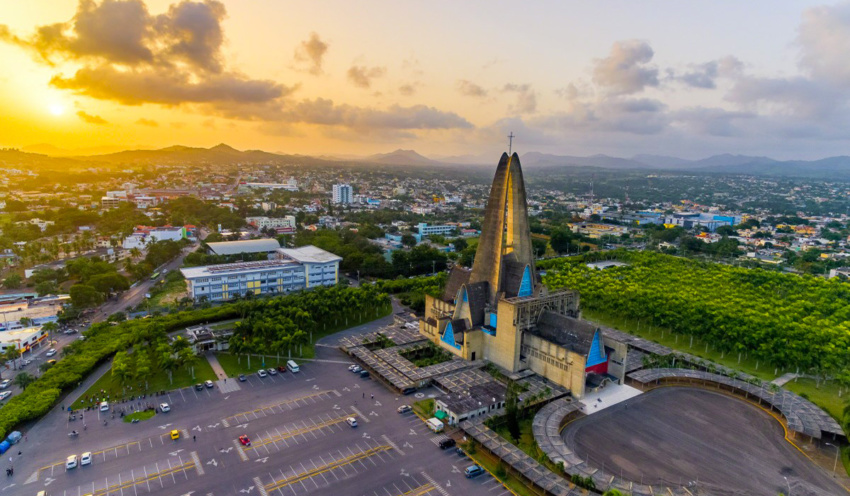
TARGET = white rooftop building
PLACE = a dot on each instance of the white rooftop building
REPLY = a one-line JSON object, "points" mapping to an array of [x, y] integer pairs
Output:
{"points": [[292, 270], [264, 245]]}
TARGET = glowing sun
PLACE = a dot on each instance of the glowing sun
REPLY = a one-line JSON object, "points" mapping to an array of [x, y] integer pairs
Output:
{"points": [[56, 109]]}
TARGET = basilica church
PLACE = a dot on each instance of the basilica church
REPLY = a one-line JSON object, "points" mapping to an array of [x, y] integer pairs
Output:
{"points": [[500, 311]]}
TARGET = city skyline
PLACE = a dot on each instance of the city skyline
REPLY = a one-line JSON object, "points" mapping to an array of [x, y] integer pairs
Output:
{"points": [[575, 79]]}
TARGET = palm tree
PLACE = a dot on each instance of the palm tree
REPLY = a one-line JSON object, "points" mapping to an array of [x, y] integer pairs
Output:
{"points": [[189, 359], [13, 354]]}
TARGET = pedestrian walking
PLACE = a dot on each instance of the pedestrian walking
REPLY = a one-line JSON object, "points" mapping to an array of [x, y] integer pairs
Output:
{"points": [[364, 396], [372, 395]]}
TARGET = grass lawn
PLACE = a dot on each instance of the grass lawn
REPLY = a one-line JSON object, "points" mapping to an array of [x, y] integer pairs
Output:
{"points": [[156, 381], [825, 397], [168, 292], [425, 408], [233, 365], [145, 415]]}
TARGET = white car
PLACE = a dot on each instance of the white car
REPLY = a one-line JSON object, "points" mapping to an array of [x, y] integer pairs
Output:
{"points": [[50, 352], [71, 462], [355, 368], [262, 373], [5, 383], [104, 407], [209, 384], [5, 394], [85, 459], [351, 421], [164, 408]]}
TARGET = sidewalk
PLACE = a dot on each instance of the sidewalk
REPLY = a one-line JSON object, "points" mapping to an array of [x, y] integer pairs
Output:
{"points": [[219, 371]]}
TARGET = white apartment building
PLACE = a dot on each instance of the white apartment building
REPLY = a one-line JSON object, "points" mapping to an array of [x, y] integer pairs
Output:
{"points": [[426, 230], [289, 185], [295, 269], [342, 194], [271, 222]]}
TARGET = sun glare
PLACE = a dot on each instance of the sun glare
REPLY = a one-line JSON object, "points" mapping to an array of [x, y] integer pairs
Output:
{"points": [[56, 109]]}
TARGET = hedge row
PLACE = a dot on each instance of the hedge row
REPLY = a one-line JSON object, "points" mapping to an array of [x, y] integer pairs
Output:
{"points": [[102, 341]]}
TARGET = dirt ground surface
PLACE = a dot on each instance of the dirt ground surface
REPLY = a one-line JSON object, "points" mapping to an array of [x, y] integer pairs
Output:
{"points": [[712, 442]]}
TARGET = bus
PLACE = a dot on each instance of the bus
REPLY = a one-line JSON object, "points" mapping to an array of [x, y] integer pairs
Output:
{"points": [[154, 276]]}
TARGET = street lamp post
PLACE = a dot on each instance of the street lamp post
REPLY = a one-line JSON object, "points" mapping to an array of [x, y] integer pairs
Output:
{"points": [[837, 451]]}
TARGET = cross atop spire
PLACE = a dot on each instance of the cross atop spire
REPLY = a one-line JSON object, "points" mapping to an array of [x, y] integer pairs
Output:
{"points": [[510, 142]]}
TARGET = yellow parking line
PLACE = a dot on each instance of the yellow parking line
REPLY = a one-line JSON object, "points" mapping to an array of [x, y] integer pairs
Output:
{"points": [[419, 491], [327, 467], [147, 478], [297, 432], [104, 450], [266, 407]]}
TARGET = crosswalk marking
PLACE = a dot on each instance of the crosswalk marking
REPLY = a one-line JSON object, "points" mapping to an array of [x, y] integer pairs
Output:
{"points": [[434, 483]]}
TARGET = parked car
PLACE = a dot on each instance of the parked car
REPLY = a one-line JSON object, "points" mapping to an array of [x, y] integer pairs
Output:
{"points": [[50, 352], [5, 383], [447, 443], [351, 421], [272, 372], [460, 452], [209, 384], [403, 409], [104, 406], [262, 373], [175, 434], [473, 471], [354, 368], [364, 373], [199, 387], [242, 378], [5, 394], [85, 459], [244, 440], [281, 368], [164, 408]]}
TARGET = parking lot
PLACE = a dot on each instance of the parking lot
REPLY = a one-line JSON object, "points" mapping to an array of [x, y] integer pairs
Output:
{"points": [[300, 443]]}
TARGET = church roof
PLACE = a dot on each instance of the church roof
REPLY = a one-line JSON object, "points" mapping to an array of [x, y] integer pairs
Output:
{"points": [[573, 334], [512, 277], [457, 278], [477, 294]]}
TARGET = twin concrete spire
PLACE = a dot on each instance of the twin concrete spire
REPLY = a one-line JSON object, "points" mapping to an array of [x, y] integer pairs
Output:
{"points": [[505, 235]]}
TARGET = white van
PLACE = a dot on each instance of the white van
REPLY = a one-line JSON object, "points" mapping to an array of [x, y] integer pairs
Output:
{"points": [[292, 366], [104, 406], [434, 424]]}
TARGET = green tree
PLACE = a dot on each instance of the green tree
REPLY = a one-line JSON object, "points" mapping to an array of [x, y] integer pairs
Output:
{"points": [[23, 379], [12, 353], [46, 288], [561, 241], [408, 240], [13, 281], [84, 296]]}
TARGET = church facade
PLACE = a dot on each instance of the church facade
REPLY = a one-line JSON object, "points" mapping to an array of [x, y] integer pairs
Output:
{"points": [[500, 311]]}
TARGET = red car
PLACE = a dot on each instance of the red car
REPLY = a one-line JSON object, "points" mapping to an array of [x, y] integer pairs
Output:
{"points": [[244, 440], [281, 368]]}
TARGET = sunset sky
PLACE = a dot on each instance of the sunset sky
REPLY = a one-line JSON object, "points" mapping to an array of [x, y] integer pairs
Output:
{"points": [[689, 79]]}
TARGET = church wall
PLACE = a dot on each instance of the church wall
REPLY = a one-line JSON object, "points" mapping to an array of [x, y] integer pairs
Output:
{"points": [[617, 359], [555, 363], [503, 348]]}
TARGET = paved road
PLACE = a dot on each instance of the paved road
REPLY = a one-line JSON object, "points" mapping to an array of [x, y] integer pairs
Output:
{"points": [[136, 294], [301, 444]]}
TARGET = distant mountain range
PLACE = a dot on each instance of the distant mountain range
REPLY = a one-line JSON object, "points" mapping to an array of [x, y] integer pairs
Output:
{"points": [[222, 154]]}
